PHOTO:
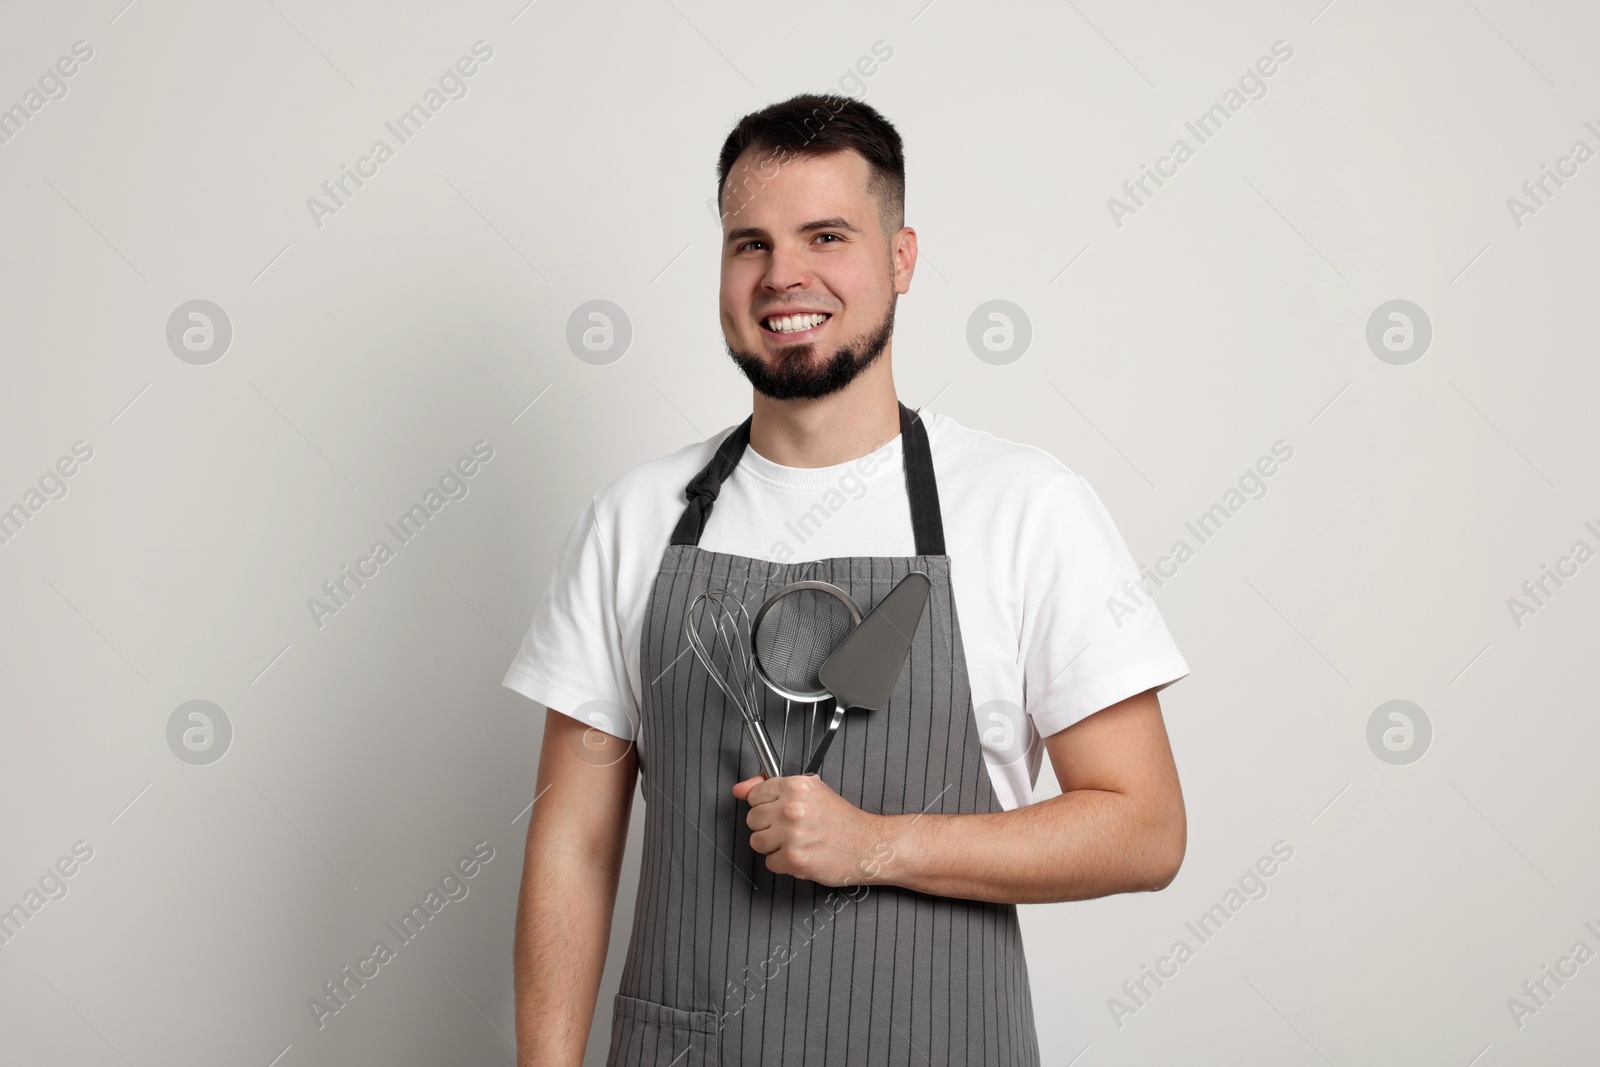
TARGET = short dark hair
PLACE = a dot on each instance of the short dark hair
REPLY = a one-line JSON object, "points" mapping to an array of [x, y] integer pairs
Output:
{"points": [[820, 125]]}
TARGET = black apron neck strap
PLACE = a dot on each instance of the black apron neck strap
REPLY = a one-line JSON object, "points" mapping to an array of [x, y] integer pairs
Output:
{"points": [[702, 491], [927, 521]]}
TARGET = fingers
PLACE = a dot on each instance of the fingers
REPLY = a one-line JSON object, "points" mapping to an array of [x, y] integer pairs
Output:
{"points": [[761, 817], [778, 854], [771, 821], [780, 808], [765, 790]]}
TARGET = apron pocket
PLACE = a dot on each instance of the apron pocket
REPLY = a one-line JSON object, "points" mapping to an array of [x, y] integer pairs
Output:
{"points": [[647, 1034]]}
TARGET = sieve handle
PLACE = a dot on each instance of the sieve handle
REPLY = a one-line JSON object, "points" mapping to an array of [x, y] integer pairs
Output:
{"points": [[814, 764]]}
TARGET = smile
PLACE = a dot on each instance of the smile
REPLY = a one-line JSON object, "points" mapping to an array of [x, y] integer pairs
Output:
{"points": [[795, 327]]}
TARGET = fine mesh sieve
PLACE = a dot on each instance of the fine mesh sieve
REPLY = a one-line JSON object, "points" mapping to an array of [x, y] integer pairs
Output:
{"points": [[795, 631]]}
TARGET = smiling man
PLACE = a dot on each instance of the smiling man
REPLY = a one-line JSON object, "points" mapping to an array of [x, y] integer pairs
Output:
{"points": [[865, 914]]}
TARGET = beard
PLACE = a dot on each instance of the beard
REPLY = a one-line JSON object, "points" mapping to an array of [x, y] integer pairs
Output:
{"points": [[793, 376]]}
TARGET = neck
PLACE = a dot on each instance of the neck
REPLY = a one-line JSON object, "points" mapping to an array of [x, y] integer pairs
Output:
{"points": [[830, 430]]}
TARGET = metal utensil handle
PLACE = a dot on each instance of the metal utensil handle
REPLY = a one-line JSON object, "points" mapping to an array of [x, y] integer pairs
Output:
{"points": [[815, 762], [764, 750]]}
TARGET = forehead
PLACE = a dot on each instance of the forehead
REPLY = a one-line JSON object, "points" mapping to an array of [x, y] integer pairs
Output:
{"points": [[768, 188]]}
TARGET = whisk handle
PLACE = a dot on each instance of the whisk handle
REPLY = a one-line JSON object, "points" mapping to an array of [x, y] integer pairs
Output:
{"points": [[764, 750]]}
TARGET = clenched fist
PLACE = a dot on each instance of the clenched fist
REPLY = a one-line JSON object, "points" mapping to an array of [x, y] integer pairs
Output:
{"points": [[807, 830]]}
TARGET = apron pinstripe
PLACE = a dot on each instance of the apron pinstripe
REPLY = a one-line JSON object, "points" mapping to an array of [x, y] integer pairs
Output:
{"points": [[732, 964]]}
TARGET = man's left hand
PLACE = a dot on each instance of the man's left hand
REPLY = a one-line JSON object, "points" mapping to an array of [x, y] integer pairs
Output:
{"points": [[807, 830]]}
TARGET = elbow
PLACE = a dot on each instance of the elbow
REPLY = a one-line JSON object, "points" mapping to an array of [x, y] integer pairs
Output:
{"points": [[1171, 859], [1170, 839]]}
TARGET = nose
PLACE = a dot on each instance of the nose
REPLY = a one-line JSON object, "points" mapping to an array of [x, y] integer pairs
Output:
{"points": [[787, 268]]}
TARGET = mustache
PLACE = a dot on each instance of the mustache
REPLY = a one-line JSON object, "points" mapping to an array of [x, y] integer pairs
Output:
{"points": [[803, 311]]}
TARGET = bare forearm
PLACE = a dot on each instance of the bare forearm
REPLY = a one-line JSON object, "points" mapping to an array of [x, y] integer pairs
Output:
{"points": [[1118, 826], [563, 930], [577, 832], [1085, 843]]}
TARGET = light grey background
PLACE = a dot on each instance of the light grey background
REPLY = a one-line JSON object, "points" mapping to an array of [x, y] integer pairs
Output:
{"points": [[1167, 354]]}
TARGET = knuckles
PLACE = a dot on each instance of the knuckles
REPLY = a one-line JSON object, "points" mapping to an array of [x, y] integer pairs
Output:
{"points": [[790, 861]]}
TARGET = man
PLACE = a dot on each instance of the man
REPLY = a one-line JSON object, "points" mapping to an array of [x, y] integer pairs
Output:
{"points": [[864, 914]]}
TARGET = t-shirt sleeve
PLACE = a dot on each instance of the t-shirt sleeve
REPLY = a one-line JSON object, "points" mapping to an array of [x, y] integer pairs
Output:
{"points": [[1092, 636], [571, 659]]}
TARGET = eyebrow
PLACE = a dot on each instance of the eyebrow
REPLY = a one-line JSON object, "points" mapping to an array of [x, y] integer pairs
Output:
{"points": [[835, 223]]}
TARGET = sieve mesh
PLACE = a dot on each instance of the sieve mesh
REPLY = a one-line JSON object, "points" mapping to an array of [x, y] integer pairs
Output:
{"points": [[798, 634]]}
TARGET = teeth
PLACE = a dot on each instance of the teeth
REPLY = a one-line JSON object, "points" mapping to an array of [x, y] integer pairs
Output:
{"points": [[795, 323]]}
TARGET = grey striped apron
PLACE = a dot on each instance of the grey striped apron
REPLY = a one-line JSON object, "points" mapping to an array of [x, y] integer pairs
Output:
{"points": [[732, 964]]}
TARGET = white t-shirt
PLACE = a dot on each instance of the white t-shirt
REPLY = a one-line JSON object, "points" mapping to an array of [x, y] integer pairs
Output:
{"points": [[1035, 558]]}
